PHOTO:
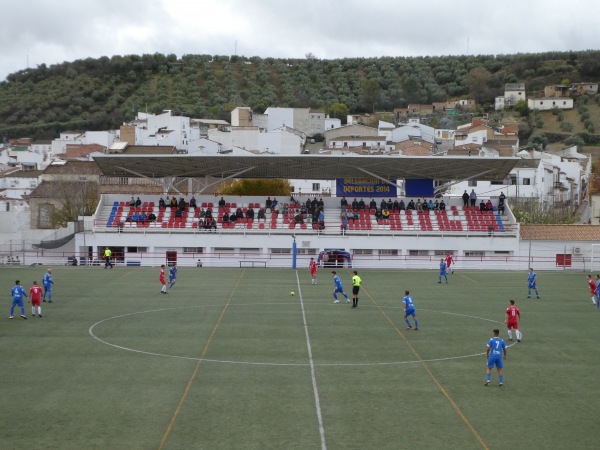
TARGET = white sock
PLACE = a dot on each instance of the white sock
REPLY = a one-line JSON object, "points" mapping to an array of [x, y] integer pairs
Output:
{"points": [[33, 310], [593, 300], [509, 334], [40, 310], [519, 335]]}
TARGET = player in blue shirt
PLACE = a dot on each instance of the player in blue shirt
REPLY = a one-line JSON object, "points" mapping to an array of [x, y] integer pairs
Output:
{"points": [[338, 288], [17, 299], [443, 271], [532, 284], [173, 275], [47, 281], [496, 355], [409, 310]]}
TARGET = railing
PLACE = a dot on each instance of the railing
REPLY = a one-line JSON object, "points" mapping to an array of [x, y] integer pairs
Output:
{"points": [[540, 262]]}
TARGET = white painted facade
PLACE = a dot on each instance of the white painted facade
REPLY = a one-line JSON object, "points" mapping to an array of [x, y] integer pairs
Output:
{"points": [[331, 123], [499, 103], [280, 141], [414, 130], [548, 103]]}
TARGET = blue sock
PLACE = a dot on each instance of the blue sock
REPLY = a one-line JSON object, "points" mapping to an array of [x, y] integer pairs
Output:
{"points": [[529, 292], [171, 285], [12, 311], [23, 311], [488, 377], [416, 323], [346, 296], [501, 378], [335, 295], [50, 296], [407, 322]]}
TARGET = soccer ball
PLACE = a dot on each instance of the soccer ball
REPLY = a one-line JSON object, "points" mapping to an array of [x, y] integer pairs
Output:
{"points": [[292, 293]]}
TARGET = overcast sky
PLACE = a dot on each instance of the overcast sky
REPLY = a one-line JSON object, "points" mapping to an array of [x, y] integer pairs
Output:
{"points": [[33, 32]]}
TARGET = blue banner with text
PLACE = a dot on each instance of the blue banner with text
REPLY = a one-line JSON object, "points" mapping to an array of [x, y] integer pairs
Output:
{"points": [[364, 187]]}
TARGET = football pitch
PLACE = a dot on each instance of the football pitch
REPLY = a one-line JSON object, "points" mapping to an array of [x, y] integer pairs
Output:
{"points": [[229, 360]]}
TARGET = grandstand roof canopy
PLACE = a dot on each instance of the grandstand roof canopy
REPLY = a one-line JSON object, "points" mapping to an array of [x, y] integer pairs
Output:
{"points": [[306, 166]]}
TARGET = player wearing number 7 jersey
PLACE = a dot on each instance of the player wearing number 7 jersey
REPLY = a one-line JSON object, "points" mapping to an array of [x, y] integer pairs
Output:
{"points": [[511, 319], [496, 354]]}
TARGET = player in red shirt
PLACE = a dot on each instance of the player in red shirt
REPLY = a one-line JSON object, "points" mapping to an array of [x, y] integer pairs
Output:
{"points": [[593, 287], [163, 280], [35, 297], [512, 319], [449, 261], [312, 267]]}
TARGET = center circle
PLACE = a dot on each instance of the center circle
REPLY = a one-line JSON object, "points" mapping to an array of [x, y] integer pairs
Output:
{"points": [[92, 333]]}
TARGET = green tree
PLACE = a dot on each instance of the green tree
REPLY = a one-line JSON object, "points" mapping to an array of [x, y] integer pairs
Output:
{"points": [[538, 140], [338, 111], [370, 92], [522, 108]]}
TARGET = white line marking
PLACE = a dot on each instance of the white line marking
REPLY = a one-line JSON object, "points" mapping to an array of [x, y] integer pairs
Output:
{"points": [[312, 369]]}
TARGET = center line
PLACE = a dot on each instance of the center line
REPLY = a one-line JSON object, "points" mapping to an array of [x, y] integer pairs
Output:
{"points": [[312, 369]]}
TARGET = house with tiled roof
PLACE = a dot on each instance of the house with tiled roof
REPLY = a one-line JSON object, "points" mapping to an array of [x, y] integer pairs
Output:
{"points": [[413, 148]]}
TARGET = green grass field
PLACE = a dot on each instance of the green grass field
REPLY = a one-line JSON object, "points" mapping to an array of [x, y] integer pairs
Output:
{"points": [[225, 361]]}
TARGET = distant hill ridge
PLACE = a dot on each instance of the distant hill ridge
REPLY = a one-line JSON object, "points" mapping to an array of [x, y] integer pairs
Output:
{"points": [[96, 94]]}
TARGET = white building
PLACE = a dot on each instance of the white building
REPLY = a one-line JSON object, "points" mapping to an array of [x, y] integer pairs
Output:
{"points": [[282, 141], [414, 130], [331, 123], [548, 103]]}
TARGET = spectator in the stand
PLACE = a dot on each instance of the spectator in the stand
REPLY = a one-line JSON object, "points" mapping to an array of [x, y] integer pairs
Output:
{"points": [[473, 197], [178, 213], [401, 206], [379, 215], [202, 212], [151, 217], [482, 206], [411, 205], [344, 203], [143, 217], [465, 198], [383, 204], [225, 218], [233, 217], [489, 206], [193, 202], [419, 205], [161, 203], [138, 202], [210, 224], [182, 203], [321, 215], [250, 214], [239, 214], [261, 214], [274, 204], [425, 205], [390, 204], [314, 205], [430, 205], [395, 205], [308, 204], [132, 202], [321, 204], [303, 209], [361, 204], [298, 218], [373, 204], [173, 203], [442, 205], [354, 204], [501, 199], [344, 225], [269, 203], [285, 209], [385, 214], [501, 208], [222, 202], [208, 214], [436, 205]]}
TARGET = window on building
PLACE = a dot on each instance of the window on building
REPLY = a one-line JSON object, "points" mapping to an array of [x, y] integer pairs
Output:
{"points": [[526, 181], [307, 251], [418, 253], [136, 249], [472, 183], [388, 252], [281, 251], [362, 251], [193, 249], [316, 187], [475, 253]]}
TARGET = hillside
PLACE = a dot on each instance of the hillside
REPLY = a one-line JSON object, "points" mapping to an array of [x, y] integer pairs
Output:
{"points": [[102, 93]]}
